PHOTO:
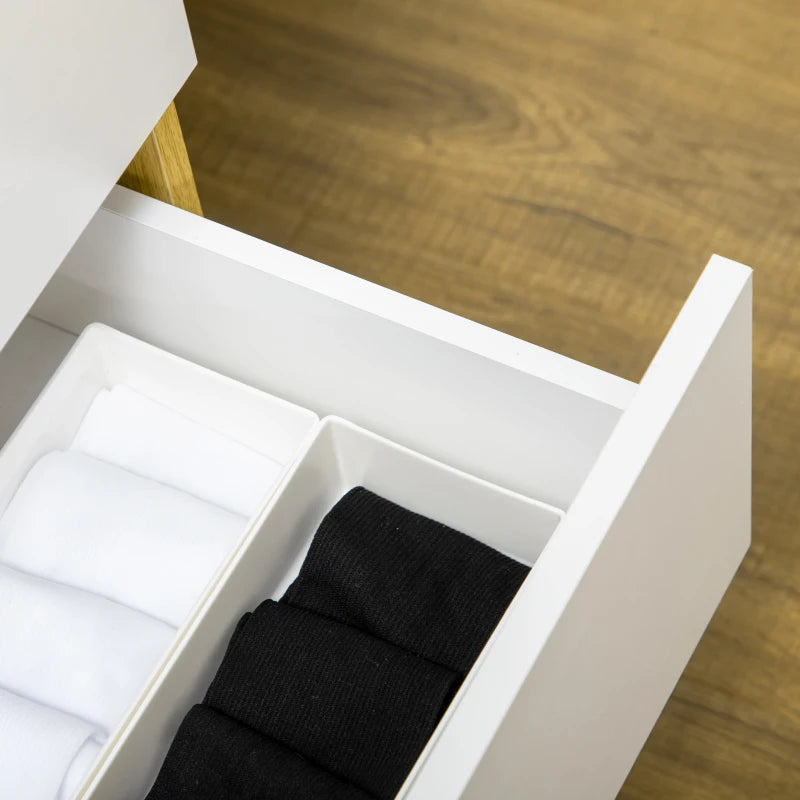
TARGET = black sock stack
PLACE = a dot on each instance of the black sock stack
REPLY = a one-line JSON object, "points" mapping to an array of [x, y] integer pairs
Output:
{"points": [[407, 579], [334, 691]]}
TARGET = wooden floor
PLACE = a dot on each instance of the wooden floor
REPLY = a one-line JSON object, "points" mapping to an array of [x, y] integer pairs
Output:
{"points": [[561, 171]]}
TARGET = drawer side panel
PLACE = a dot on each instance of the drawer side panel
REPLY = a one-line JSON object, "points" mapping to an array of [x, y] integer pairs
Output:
{"points": [[625, 588]]}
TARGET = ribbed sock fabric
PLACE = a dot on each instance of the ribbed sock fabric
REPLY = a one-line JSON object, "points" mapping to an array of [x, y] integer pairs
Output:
{"points": [[334, 691], [353, 704], [213, 757], [406, 579]]}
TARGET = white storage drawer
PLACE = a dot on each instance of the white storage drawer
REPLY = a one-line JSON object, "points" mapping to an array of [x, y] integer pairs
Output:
{"points": [[654, 479]]}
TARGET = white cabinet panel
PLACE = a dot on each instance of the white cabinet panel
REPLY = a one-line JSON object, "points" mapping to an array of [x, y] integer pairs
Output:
{"points": [[82, 83]]}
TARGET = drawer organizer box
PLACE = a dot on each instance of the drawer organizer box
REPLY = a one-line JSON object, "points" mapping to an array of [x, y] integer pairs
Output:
{"points": [[630, 501]]}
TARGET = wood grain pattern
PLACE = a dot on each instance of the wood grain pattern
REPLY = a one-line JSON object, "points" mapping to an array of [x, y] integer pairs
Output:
{"points": [[560, 170], [161, 168]]}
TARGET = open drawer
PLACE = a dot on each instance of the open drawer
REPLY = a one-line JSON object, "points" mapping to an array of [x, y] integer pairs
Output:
{"points": [[654, 478]]}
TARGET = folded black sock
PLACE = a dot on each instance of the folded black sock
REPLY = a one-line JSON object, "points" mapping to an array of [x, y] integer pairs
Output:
{"points": [[213, 757], [407, 579], [351, 703]]}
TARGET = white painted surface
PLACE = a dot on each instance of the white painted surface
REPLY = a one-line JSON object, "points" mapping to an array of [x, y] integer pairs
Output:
{"points": [[341, 456], [375, 299], [27, 362], [487, 403], [602, 629], [81, 85]]}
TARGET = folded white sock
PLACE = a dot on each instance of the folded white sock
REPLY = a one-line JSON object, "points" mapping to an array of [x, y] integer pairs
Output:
{"points": [[44, 753], [84, 522], [74, 650], [127, 428], [79, 767]]}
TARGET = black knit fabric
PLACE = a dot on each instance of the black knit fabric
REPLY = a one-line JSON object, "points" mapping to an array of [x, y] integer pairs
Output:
{"points": [[351, 703], [333, 692], [216, 758], [406, 579]]}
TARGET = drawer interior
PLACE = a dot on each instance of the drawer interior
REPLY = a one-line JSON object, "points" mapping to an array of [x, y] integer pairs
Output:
{"points": [[342, 455], [416, 375]]}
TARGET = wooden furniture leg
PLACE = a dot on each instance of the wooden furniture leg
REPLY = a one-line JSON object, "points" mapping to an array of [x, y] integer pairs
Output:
{"points": [[161, 168]]}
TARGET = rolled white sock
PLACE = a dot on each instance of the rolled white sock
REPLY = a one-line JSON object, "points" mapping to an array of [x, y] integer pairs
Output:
{"points": [[96, 526], [44, 753], [74, 650], [78, 769], [126, 428]]}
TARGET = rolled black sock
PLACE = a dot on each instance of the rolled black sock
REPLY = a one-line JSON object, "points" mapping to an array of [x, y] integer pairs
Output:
{"points": [[216, 758], [353, 704], [407, 579]]}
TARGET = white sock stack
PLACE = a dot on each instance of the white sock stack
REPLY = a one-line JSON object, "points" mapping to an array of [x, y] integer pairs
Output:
{"points": [[104, 551]]}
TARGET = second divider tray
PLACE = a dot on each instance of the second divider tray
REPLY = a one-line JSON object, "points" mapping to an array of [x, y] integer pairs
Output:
{"points": [[341, 456]]}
